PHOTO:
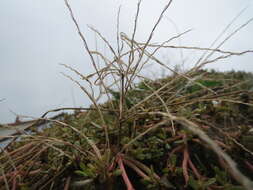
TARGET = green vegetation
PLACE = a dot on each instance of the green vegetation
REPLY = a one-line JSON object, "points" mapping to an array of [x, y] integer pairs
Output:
{"points": [[154, 152], [189, 130]]}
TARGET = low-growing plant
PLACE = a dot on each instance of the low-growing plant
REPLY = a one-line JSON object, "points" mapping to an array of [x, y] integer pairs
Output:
{"points": [[178, 132]]}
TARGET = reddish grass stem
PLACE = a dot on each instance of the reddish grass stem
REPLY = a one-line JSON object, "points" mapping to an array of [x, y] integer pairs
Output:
{"points": [[124, 174]]}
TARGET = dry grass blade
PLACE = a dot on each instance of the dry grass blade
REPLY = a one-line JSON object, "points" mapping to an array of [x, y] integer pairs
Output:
{"points": [[158, 47], [151, 56], [146, 44], [142, 134], [84, 42], [221, 34], [242, 179], [104, 39], [164, 105], [89, 141], [131, 54], [80, 33], [92, 60], [118, 34], [92, 98], [69, 108], [78, 73], [225, 40], [200, 49]]}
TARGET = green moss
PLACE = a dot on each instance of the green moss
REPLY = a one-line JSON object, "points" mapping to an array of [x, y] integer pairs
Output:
{"points": [[71, 154]]}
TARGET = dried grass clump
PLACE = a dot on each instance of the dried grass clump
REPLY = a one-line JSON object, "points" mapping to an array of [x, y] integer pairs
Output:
{"points": [[181, 132]]}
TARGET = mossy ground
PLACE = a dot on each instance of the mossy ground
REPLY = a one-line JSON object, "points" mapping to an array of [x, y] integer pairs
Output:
{"points": [[168, 156]]}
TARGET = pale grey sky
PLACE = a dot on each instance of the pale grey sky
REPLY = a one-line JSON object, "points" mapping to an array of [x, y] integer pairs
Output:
{"points": [[35, 36]]}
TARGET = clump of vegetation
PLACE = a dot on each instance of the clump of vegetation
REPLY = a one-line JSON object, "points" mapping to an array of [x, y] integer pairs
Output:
{"points": [[189, 130]]}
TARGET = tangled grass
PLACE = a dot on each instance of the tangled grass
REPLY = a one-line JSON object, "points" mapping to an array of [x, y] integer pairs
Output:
{"points": [[190, 130]]}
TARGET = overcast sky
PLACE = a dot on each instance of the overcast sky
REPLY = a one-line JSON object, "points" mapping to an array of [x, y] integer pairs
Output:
{"points": [[35, 36]]}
